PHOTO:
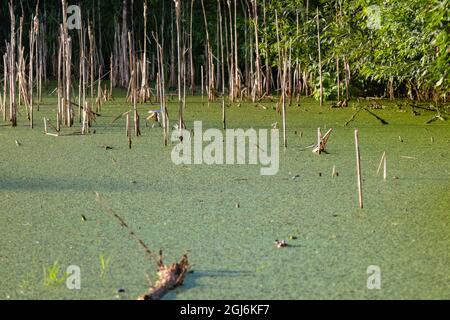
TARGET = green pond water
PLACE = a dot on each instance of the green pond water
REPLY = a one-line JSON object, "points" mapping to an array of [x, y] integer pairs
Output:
{"points": [[47, 184]]}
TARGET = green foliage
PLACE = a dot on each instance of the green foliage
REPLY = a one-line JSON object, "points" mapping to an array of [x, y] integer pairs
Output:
{"points": [[329, 87], [405, 42], [104, 264], [52, 277], [407, 45]]}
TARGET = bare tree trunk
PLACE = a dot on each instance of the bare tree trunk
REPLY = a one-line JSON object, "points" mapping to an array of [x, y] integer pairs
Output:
{"points": [[164, 115], [33, 32], [91, 60], [60, 88], [258, 84], [81, 73], [181, 125], [67, 58], [144, 94], [172, 78], [266, 45], [133, 83], [236, 63], [222, 64], [20, 71], [347, 76], [320, 59], [338, 80], [124, 39], [282, 64], [12, 74], [191, 53], [209, 55], [5, 82], [232, 72]]}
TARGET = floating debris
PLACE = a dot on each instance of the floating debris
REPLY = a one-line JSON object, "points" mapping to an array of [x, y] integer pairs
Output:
{"points": [[435, 118], [281, 243], [334, 173], [340, 104]]}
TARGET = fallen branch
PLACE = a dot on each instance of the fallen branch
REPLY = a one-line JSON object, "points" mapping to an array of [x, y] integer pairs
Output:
{"points": [[435, 118], [352, 117], [321, 141], [120, 116], [169, 277], [48, 123]]}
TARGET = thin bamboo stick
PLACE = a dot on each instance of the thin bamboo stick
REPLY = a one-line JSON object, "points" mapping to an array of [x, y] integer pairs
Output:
{"points": [[381, 163], [358, 171]]}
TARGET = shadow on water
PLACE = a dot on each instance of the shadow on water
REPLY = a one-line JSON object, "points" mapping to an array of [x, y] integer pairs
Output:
{"points": [[80, 184], [192, 279]]}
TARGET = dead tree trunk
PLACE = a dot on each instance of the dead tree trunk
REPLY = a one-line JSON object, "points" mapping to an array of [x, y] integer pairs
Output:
{"points": [[258, 83], [161, 82], [5, 82], [33, 32], [209, 55], [266, 45], [191, 53], [320, 59], [222, 64], [12, 68], [181, 125], [145, 91]]}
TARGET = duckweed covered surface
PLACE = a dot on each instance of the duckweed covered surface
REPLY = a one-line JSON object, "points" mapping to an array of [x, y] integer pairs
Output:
{"points": [[47, 184]]}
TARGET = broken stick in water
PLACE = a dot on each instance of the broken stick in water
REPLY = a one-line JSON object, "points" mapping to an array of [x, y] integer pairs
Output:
{"points": [[169, 276], [381, 163], [321, 141], [358, 170]]}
